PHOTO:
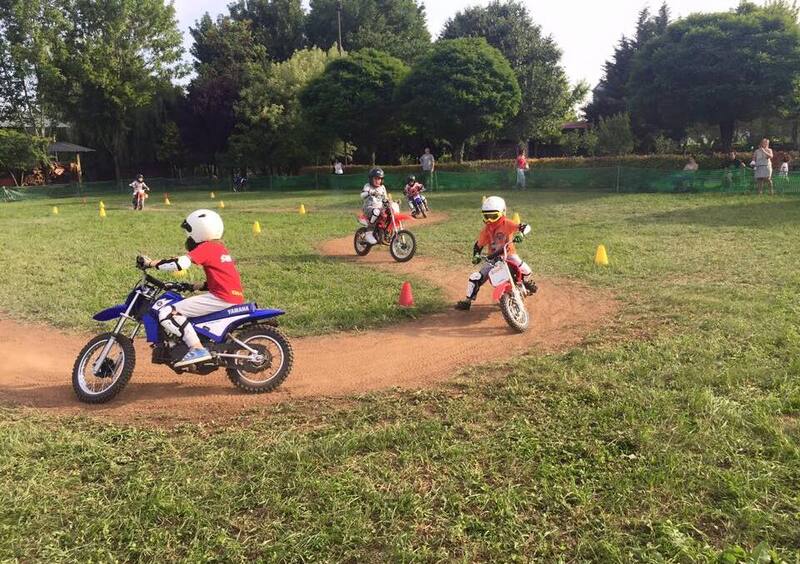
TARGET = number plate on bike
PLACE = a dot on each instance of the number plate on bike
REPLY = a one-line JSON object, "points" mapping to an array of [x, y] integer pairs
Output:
{"points": [[499, 274]]}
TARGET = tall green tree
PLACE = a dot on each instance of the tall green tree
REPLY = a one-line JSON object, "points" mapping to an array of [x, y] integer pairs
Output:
{"points": [[223, 49], [394, 26], [614, 135], [353, 99], [462, 90], [20, 152], [547, 98], [29, 35], [272, 133], [115, 56], [610, 96], [278, 25], [717, 68]]}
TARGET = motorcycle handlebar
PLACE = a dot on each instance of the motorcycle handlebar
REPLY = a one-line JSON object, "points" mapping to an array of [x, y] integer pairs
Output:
{"points": [[177, 286]]}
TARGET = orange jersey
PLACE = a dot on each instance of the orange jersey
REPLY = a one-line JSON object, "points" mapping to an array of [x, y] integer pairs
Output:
{"points": [[496, 235]]}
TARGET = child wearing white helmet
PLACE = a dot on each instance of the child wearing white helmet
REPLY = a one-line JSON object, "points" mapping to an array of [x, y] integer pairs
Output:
{"points": [[497, 231], [374, 196], [140, 191], [205, 248]]}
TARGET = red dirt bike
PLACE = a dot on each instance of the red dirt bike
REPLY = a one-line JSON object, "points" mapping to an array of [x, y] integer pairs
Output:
{"points": [[509, 291], [388, 231]]}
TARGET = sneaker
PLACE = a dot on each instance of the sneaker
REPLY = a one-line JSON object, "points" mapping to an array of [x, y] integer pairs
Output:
{"points": [[193, 357], [369, 237], [530, 285], [464, 305]]}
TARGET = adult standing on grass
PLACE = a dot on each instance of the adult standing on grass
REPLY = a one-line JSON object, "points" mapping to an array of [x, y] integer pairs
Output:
{"points": [[763, 159], [522, 167], [428, 164]]}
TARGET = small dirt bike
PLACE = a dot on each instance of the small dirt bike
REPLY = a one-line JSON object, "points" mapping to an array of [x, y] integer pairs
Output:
{"points": [[509, 291], [242, 339], [419, 204], [388, 231]]}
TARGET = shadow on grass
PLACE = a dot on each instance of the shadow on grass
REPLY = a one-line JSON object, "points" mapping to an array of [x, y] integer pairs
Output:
{"points": [[761, 213]]}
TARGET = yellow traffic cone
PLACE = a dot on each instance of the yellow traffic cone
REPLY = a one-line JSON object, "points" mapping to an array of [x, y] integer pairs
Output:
{"points": [[102, 205], [222, 204], [167, 202], [55, 210], [213, 195], [102, 212], [256, 228], [516, 218], [302, 209], [600, 257]]}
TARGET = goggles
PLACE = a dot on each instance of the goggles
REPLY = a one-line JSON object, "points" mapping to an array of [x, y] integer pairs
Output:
{"points": [[491, 216]]}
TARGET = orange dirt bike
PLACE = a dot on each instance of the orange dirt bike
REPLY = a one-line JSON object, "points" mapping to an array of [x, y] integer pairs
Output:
{"points": [[509, 290], [388, 231]]}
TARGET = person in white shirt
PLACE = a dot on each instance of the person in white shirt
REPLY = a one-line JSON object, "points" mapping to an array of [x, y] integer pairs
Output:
{"points": [[140, 192], [763, 159], [337, 167]]}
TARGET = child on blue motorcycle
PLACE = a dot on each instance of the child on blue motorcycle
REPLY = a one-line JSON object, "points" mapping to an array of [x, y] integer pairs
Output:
{"points": [[205, 248], [413, 191]]}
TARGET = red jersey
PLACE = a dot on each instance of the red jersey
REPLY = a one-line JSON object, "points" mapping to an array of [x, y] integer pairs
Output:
{"points": [[221, 274], [496, 235], [412, 190], [522, 162]]}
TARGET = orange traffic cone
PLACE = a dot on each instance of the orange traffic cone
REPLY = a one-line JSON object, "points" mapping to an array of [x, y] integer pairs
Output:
{"points": [[406, 297]]}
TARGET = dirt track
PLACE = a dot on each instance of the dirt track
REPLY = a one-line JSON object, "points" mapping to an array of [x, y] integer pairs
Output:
{"points": [[412, 354]]}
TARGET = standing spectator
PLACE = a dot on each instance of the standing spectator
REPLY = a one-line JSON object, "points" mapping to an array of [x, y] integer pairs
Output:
{"points": [[522, 166], [733, 171], [763, 159], [428, 164], [140, 190], [784, 173], [337, 166]]}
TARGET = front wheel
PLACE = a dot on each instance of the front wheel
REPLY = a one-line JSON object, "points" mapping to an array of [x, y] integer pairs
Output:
{"points": [[360, 244], [403, 246], [274, 363], [101, 385], [514, 311]]}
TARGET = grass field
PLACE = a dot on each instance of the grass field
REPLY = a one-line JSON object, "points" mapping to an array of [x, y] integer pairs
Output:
{"points": [[673, 436]]}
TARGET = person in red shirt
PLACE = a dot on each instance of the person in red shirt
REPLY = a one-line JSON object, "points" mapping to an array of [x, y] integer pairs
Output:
{"points": [[411, 190], [497, 231], [522, 167], [204, 229]]}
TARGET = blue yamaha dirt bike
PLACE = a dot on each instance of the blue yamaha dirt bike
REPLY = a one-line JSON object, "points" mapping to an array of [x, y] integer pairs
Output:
{"points": [[243, 339]]}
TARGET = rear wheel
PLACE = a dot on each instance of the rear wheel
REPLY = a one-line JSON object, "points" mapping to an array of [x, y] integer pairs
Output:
{"points": [[403, 246], [274, 366], [359, 243], [514, 311], [113, 373]]}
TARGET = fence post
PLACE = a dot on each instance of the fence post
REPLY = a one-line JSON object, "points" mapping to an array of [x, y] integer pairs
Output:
{"points": [[618, 172]]}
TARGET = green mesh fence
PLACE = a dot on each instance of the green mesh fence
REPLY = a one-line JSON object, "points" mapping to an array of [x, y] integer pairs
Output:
{"points": [[609, 179]]}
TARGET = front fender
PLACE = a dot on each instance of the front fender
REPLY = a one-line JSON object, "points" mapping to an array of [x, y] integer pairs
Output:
{"points": [[110, 313], [500, 290]]}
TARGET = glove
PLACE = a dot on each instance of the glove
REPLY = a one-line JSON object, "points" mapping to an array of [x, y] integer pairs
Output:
{"points": [[476, 259], [143, 262], [518, 238]]}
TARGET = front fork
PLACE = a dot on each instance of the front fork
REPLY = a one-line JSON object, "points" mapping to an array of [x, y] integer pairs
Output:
{"points": [[117, 330]]}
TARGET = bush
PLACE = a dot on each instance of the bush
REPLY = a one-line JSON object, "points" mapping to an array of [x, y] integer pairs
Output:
{"points": [[615, 136]]}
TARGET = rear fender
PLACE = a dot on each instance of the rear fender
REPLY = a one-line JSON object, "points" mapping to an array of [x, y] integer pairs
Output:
{"points": [[500, 290], [259, 315]]}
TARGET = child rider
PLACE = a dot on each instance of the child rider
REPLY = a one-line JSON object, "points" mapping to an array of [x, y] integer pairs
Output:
{"points": [[374, 195]]}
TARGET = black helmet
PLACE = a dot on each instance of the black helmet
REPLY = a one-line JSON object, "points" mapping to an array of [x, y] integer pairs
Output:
{"points": [[411, 179], [375, 173]]}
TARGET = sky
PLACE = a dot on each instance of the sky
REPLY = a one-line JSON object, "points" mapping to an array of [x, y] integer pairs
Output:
{"points": [[586, 30]]}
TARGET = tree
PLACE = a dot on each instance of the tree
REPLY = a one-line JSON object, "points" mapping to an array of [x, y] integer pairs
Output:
{"points": [[394, 26], [717, 68], [171, 149], [28, 39], [610, 96], [278, 25], [614, 135], [115, 56], [223, 50], [20, 152], [547, 97], [462, 89], [353, 99], [271, 131]]}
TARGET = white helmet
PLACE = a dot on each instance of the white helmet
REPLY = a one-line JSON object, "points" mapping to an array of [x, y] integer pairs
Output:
{"points": [[203, 225], [493, 208]]}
